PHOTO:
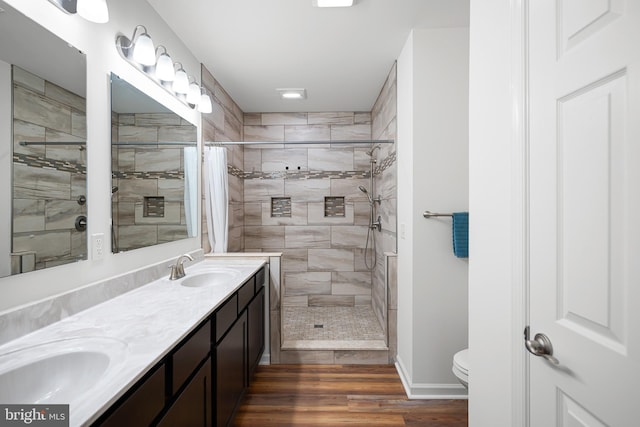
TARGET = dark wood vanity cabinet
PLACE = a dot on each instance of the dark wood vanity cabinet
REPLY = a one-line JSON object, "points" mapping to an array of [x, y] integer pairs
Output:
{"points": [[202, 380]]}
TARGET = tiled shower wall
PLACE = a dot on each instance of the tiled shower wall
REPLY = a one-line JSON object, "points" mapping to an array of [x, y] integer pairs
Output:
{"points": [[383, 127], [225, 123], [323, 236], [148, 207], [48, 180]]}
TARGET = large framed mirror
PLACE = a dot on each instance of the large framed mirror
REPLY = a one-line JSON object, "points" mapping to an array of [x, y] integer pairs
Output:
{"points": [[42, 147], [154, 171]]}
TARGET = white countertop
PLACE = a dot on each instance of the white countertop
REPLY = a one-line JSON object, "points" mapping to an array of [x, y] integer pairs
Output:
{"points": [[141, 326]]}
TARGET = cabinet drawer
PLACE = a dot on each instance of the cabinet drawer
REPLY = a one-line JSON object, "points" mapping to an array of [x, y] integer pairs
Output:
{"points": [[142, 405], [245, 294], [225, 316], [190, 354]]}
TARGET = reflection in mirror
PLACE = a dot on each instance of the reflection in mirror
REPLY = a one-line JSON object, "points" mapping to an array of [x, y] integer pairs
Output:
{"points": [[42, 147], [154, 171]]}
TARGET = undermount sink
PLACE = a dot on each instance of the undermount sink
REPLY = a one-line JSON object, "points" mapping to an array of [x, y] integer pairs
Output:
{"points": [[57, 371], [208, 278]]}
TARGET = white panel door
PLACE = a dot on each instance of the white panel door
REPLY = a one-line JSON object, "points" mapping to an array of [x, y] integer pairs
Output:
{"points": [[584, 211]]}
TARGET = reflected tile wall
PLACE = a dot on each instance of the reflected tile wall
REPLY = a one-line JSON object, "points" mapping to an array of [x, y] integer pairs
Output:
{"points": [[47, 180], [141, 171]]}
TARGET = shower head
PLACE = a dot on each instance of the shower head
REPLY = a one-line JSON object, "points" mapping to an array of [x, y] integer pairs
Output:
{"points": [[370, 152], [364, 190]]}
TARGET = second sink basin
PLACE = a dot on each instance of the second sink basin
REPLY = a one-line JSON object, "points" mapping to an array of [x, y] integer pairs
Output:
{"points": [[209, 277], [58, 371]]}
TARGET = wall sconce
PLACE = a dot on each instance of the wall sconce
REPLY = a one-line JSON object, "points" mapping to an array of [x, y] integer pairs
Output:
{"points": [[91, 10], [159, 67], [139, 49], [164, 66]]}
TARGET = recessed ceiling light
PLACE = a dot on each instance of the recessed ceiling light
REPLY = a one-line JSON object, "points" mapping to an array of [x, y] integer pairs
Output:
{"points": [[292, 93], [333, 3]]}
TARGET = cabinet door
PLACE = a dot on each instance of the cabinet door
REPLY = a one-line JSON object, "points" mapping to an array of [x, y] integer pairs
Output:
{"points": [[255, 331], [193, 406], [142, 405], [230, 371]]}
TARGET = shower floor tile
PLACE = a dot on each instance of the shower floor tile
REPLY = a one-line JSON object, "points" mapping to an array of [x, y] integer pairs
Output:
{"points": [[331, 328]]}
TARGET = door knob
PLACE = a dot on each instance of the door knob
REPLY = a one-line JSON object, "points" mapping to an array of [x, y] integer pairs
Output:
{"points": [[539, 346]]}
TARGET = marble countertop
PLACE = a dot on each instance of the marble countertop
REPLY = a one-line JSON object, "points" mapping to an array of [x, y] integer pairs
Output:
{"points": [[138, 328]]}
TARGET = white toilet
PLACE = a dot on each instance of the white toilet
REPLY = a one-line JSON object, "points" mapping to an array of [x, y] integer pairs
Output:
{"points": [[461, 366]]}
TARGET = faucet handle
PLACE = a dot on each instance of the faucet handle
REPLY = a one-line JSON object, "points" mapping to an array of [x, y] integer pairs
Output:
{"points": [[174, 274]]}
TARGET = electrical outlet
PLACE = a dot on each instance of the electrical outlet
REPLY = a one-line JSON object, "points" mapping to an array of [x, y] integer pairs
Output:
{"points": [[97, 246]]}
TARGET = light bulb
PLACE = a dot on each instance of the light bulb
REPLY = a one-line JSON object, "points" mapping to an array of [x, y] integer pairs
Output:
{"points": [[181, 82], [193, 95], [205, 104], [93, 10], [164, 68], [143, 51]]}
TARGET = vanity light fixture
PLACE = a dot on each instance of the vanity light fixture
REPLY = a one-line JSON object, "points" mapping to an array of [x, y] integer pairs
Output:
{"points": [[91, 10], [333, 3], [204, 106], [159, 67], [164, 66], [292, 93]]}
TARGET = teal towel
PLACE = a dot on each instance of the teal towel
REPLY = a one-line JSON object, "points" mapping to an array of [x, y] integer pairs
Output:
{"points": [[461, 234]]}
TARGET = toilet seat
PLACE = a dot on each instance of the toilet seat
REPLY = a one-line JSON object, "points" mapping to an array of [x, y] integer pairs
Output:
{"points": [[461, 366]]}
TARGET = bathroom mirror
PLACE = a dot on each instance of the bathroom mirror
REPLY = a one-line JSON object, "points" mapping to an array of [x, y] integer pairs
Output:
{"points": [[154, 171], [42, 147]]}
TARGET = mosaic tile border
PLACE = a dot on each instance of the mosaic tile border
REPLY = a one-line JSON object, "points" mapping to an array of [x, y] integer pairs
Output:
{"points": [[148, 175], [386, 163], [45, 163]]}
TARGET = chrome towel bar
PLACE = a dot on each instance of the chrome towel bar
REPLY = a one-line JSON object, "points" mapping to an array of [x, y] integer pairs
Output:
{"points": [[428, 214]]}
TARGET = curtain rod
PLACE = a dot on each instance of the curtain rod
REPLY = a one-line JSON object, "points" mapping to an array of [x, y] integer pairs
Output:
{"points": [[25, 143], [382, 141]]}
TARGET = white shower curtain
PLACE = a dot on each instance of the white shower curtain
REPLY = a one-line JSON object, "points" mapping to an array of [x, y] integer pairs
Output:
{"points": [[216, 190], [191, 190]]}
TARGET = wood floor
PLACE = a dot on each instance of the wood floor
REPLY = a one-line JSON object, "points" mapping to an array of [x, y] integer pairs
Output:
{"points": [[340, 395]]}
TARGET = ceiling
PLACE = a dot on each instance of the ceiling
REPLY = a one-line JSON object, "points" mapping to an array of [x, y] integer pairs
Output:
{"points": [[341, 56]]}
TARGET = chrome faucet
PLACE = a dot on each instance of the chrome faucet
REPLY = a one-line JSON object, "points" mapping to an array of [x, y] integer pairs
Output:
{"points": [[177, 270]]}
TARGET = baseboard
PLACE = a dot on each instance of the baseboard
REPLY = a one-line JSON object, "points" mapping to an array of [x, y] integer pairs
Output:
{"points": [[265, 359], [429, 391]]}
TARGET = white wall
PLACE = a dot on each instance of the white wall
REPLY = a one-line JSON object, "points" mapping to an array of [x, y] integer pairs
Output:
{"points": [[432, 175], [98, 42], [5, 168], [491, 287]]}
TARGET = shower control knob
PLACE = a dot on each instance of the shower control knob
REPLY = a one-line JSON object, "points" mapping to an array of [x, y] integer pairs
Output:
{"points": [[81, 223]]}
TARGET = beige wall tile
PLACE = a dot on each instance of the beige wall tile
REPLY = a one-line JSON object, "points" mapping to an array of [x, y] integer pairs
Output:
{"points": [[137, 134], [262, 237], [307, 133], [28, 215], [351, 283], [36, 183], [280, 159], [307, 190], [331, 118], [350, 132], [137, 236], [312, 283], [253, 213], [295, 260], [344, 236], [348, 188], [157, 119], [284, 118], [64, 97], [331, 301], [61, 214], [171, 233], [362, 118], [307, 237], [330, 260], [46, 244], [253, 119], [362, 357], [28, 80], [264, 133], [24, 131], [171, 189], [158, 159], [134, 190], [322, 159], [262, 190], [252, 160], [31, 107], [178, 134], [296, 301], [79, 125]]}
